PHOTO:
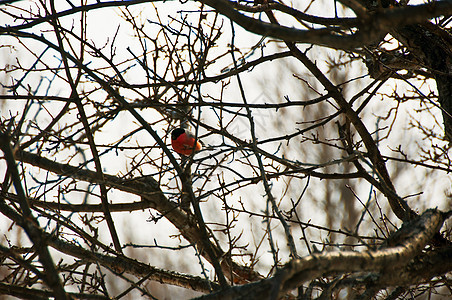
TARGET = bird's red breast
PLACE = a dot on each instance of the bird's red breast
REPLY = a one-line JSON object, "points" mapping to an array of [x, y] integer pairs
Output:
{"points": [[183, 142]]}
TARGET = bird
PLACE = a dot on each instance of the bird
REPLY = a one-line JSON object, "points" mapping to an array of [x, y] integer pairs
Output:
{"points": [[184, 142]]}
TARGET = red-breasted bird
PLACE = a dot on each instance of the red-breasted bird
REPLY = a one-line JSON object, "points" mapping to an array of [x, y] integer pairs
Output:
{"points": [[183, 142]]}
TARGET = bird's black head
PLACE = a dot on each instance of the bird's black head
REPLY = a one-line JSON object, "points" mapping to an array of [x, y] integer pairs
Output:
{"points": [[176, 133]]}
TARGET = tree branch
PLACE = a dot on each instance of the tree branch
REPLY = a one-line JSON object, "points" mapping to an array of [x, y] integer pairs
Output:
{"points": [[28, 222], [416, 234], [367, 32], [152, 195]]}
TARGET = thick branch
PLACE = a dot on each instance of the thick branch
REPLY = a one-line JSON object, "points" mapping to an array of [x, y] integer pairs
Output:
{"points": [[29, 293], [369, 30], [416, 233]]}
